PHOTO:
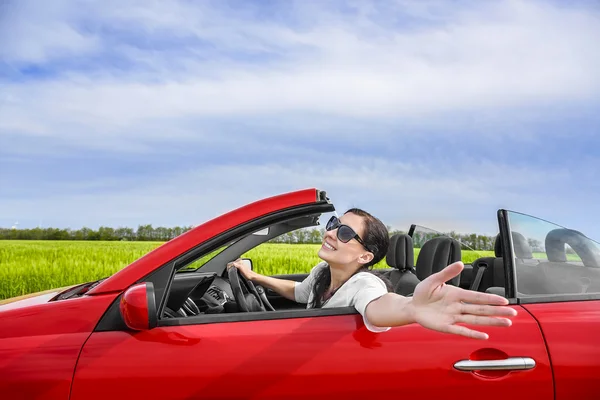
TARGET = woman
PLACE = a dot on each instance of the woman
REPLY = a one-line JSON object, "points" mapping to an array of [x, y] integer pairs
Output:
{"points": [[354, 243]]}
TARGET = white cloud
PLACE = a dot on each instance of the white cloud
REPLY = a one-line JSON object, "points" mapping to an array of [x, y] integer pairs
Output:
{"points": [[192, 75], [40, 32], [509, 55]]}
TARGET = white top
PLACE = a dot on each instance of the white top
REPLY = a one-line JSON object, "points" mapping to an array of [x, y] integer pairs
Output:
{"points": [[361, 289]]}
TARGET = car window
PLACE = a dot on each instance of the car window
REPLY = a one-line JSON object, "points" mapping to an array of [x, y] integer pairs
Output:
{"points": [[294, 252], [551, 259]]}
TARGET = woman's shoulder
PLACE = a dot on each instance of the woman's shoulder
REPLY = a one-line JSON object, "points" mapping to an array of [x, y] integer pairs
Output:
{"points": [[367, 278], [321, 265], [318, 267]]}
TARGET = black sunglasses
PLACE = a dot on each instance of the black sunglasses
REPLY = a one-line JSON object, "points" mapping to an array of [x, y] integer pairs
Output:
{"points": [[345, 233]]}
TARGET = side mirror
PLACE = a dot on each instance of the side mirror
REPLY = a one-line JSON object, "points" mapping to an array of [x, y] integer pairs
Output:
{"points": [[247, 262], [138, 307]]}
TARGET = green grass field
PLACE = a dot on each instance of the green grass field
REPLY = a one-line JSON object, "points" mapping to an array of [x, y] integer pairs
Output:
{"points": [[32, 266]]}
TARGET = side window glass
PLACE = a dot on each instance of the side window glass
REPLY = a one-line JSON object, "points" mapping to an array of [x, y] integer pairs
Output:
{"points": [[205, 259], [293, 252], [551, 259]]}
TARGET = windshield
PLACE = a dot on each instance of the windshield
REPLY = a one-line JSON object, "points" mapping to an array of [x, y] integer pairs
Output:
{"points": [[200, 262], [551, 259]]}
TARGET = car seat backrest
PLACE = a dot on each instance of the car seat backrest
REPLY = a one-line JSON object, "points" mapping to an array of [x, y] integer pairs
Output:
{"points": [[401, 253], [522, 249], [435, 255], [492, 279], [488, 272], [498, 273], [523, 255], [400, 257], [483, 275]]}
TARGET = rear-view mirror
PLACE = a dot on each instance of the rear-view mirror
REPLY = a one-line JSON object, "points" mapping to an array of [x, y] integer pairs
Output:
{"points": [[248, 263]]}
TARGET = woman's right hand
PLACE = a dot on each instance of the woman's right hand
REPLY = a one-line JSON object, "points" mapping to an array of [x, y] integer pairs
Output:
{"points": [[242, 268], [441, 307]]}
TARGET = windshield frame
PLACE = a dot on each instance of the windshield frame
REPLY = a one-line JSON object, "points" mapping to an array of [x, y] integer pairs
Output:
{"points": [[510, 274]]}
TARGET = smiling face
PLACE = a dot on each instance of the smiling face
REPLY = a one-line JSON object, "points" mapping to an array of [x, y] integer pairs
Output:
{"points": [[346, 255]]}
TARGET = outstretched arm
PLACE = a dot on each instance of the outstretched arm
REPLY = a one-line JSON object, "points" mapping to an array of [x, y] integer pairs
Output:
{"points": [[440, 307]]}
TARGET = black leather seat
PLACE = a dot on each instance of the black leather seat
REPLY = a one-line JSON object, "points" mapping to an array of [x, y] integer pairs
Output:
{"points": [[488, 272], [400, 257], [435, 255]]}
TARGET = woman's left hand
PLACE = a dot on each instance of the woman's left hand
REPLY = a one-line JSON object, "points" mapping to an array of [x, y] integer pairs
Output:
{"points": [[440, 307]]}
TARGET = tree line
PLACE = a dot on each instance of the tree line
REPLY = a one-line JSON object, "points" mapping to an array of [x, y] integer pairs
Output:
{"points": [[143, 233], [161, 234]]}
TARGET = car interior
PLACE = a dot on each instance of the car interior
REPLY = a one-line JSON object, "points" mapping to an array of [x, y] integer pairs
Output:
{"points": [[205, 286]]}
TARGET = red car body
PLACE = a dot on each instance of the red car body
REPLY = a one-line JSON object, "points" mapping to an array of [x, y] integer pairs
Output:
{"points": [[111, 340]]}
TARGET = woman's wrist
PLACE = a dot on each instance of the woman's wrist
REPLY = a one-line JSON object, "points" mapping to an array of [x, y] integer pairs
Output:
{"points": [[410, 310], [253, 276], [391, 309]]}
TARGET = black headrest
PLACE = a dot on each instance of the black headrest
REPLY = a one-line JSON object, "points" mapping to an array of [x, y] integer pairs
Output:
{"points": [[557, 252], [498, 246], [401, 254], [555, 244], [436, 254], [522, 249]]}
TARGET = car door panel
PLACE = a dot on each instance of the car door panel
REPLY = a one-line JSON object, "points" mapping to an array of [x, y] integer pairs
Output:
{"points": [[415, 362], [292, 277], [572, 332], [320, 357]]}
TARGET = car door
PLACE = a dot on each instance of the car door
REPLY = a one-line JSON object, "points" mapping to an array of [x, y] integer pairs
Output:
{"points": [[571, 328], [302, 354]]}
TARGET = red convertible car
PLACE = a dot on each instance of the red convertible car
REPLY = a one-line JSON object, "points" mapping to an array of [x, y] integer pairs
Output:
{"points": [[176, 324]]}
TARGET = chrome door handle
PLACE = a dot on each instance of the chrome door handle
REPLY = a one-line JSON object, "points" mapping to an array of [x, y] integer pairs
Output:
{"points": [[513, 363]]}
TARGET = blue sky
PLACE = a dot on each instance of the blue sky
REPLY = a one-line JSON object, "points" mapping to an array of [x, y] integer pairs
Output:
{"points": [[122, 113]]}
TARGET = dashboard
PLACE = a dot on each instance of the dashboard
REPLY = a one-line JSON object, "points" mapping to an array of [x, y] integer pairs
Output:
{"points": [[194, 293]]}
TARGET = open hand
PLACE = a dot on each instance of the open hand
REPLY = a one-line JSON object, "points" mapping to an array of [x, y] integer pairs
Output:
{"points": [[440, 307]]}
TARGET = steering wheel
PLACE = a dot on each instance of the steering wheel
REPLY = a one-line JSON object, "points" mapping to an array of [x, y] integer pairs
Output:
{"points": [[245, 293]]}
